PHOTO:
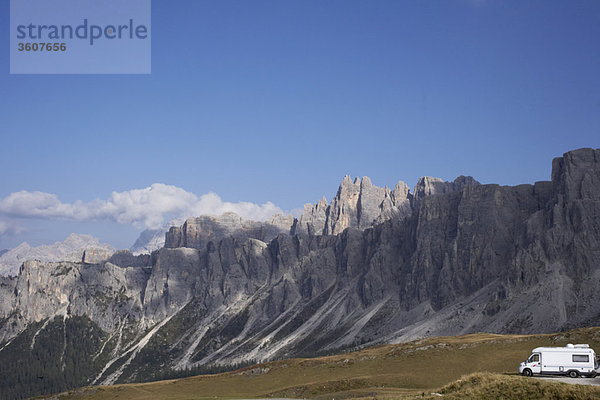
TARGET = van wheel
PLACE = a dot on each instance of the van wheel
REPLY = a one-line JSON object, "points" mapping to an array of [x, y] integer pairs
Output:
{"points": [[527, 372], [573, 374]]}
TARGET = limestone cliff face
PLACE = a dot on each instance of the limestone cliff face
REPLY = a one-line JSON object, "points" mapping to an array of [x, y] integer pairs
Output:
{"points": [[153, 239], [199, 231], [373, 266], [428, 186], [7, 296], [104, 292], [358, 204]]}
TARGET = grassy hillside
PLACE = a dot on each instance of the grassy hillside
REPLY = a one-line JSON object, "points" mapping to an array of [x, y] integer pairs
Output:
{"points": [[482, 386], [391, 371]]}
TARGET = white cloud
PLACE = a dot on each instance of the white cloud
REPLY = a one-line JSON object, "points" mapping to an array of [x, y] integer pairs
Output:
{"points": [[10, 228], [146, 207]]}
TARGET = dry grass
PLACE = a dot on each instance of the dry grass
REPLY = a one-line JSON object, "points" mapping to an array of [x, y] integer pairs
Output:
{"points": [[391, 371], [494, 386]]}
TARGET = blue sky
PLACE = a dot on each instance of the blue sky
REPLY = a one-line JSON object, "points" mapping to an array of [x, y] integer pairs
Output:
{"points": [[275, 101]]}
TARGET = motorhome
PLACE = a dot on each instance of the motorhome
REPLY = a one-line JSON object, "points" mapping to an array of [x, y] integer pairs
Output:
{"points": [[573, 360]]}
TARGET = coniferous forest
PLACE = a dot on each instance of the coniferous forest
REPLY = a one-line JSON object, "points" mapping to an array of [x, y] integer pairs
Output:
{"points": [[52, 358]]}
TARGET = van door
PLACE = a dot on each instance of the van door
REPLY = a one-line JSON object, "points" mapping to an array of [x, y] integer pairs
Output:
{"points": [[536, 363]]}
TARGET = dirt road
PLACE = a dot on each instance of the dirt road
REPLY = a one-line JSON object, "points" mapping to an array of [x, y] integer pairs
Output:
{"points": [[574, 381]]}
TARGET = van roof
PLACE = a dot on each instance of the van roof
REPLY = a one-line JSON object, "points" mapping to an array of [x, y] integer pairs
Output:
{"points": [[564, 349]]}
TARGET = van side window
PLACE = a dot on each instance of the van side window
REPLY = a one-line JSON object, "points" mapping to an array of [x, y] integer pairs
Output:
{"points": [[534, 358], [581, 358]]}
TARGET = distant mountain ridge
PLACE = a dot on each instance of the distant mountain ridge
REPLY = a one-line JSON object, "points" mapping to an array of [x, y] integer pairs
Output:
{"points": [[73, 248], [373, 266], [153, 239]]}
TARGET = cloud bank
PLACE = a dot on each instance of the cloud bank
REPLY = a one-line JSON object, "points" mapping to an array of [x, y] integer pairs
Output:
{"points": [[10, 228], [147, 208]]}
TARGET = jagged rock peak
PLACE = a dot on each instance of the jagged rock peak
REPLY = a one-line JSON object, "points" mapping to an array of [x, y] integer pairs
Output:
{"points": [[323, 202], [358, 203], [400, 192]]}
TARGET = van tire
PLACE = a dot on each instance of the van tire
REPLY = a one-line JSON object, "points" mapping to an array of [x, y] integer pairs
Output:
{"points": [[527, 372], [573, 374]]}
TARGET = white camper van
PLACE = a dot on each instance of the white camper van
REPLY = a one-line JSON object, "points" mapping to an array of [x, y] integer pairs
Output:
{"points": [[572, 360]]}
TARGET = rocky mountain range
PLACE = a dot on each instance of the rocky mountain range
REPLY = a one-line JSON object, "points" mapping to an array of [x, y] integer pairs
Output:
{"points": [[375, 265], [85, 248], [153, 239], [197, 233]]}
